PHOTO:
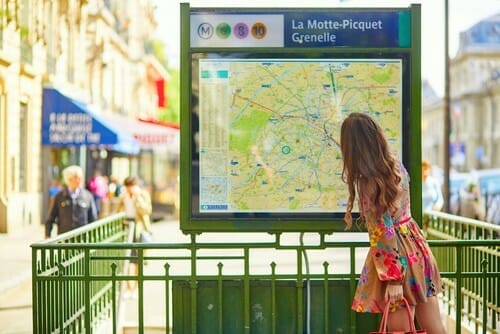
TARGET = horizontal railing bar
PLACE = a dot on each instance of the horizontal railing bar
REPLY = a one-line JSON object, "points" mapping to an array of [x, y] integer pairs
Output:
{"points": [[278, 276], [443, 216], [469, 274], [99, 278], [222, 257], [340, 244]]}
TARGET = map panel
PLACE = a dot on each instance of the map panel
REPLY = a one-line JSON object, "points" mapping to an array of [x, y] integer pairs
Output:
{"points": [[269, 129]]}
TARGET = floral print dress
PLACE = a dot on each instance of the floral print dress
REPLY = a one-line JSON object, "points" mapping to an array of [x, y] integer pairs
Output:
{"points": [[398, 252]]}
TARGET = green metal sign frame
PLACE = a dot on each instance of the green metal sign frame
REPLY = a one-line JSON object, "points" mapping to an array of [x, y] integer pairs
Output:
{"points": [[220, 35]]}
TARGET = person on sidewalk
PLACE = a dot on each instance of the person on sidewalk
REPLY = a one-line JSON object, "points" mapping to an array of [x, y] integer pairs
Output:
{"points": [[98, 186], [136, 203], [472, 203], [400, 263], [432, 196], [73, 206]]}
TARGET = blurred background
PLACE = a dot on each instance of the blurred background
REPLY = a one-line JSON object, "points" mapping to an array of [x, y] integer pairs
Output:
{"points": [[114, 67]]}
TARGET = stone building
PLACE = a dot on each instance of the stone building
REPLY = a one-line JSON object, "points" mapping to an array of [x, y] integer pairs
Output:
{"points": [[432, 123], [76, 78], [22, 49], [474, 103]]}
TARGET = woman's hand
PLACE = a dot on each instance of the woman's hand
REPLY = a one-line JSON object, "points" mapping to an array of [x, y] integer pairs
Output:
{"points": [[393, 293]]}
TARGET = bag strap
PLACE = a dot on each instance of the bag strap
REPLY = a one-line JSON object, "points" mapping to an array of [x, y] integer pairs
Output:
{"points": [[385, 316]]}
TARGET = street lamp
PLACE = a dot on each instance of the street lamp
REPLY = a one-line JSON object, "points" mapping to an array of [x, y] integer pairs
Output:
{"points": [[447, 118], [491, 85]]}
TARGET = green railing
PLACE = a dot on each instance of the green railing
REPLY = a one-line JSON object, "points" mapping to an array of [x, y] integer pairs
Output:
{"points": [[279, 283], [477, 301], [65, 293]]}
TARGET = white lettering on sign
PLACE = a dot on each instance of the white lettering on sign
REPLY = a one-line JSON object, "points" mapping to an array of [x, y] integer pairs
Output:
{"points": [[322, 31], [347, 24], [325, 37], [72, 128]]}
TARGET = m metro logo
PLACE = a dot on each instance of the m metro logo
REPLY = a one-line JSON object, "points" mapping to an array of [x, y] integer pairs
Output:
{"points": [[205, 31]]}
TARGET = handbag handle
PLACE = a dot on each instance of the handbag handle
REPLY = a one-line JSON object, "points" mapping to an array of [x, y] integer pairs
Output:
{"points": [[385, 316]]}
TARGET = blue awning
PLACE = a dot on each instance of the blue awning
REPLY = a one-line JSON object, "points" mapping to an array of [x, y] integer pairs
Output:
{"points": [[69, 122]]}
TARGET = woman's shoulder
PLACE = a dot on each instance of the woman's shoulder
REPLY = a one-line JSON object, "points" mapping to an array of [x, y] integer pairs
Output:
{"points": [[402, 171]]}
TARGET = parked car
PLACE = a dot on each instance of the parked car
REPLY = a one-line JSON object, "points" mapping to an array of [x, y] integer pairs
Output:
{"points": [[493, 214], [456, 183], [478, 192]]}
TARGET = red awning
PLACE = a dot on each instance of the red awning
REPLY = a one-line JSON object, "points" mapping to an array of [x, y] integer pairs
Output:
{"points": [[148, 134]]}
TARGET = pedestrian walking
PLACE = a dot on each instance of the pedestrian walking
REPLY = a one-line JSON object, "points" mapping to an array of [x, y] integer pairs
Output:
{"points": [[73, 206], [472, 203], [493, 215], [136, 203], [432, 196], [399, 263], [98, 186]]}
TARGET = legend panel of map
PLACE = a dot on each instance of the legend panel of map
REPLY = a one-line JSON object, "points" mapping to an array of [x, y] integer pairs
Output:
{"points": [[269, 129]]}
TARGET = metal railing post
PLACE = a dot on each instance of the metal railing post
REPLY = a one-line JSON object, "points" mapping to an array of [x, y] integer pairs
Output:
{"points": [[484, 266], [193, 284]]}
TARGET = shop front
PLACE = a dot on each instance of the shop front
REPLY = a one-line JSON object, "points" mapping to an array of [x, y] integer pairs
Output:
{"points": [[157, 162], [114, 145], [73, 134]]}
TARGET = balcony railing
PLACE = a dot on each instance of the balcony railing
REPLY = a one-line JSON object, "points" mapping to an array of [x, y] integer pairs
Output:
{"points": [[262, 284]]}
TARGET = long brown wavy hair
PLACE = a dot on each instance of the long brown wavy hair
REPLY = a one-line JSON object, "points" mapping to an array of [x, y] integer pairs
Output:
{"points": [[368, 163]]}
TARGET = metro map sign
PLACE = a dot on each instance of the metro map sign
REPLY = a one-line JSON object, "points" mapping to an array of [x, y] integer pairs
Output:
{"points": [[265, 92]]}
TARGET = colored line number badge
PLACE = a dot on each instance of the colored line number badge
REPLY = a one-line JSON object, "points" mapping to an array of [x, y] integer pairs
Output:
{"points": [[259, 30]]}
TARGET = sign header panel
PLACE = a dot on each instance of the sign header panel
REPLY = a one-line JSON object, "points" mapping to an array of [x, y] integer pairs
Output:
{"points": [[301, 29]]}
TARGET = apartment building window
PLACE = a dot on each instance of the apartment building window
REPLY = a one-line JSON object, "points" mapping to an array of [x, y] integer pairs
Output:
{"points": [[71, 54], [26, 33], [50, 37], [23, 147], [3, 19]]}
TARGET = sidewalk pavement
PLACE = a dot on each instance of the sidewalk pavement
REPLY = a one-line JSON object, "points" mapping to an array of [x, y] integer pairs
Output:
{"points": [[15, 279], [15, 255]]}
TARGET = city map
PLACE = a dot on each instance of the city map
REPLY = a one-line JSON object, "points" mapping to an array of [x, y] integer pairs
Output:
{"points": [[269, 129]]}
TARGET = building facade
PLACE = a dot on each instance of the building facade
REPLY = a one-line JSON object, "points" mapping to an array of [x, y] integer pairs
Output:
{"points": [[68, 70], [21, 72], [474, 103]]}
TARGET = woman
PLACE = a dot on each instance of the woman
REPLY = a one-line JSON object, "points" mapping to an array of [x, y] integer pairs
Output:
{"points": [[399, 263], [432, 196], [136, 203]]}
